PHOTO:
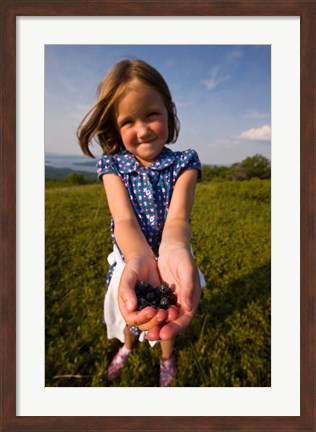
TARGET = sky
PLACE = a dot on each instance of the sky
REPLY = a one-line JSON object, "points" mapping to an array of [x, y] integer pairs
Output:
{"points": [[222, 94]]}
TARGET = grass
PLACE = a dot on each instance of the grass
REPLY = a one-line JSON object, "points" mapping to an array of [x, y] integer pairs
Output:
{"points": [[228, 342]]}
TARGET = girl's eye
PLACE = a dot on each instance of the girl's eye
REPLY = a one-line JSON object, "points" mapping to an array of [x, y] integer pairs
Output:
{"points": [[125, 123], [153, 114]]}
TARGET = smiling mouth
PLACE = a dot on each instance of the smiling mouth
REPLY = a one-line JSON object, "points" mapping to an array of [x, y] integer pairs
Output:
{"points": [[146, 142]]}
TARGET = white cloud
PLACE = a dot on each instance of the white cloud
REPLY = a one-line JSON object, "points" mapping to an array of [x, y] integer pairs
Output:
{"points": [[214, 78], [234, 55], [257, 115], [262, 133]]}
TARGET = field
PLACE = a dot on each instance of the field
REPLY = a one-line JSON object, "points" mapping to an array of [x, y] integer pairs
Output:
{"points": [[228, 342]]}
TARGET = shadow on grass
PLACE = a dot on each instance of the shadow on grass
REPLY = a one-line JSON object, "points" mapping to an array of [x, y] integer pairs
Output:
{"points": [[237, 294], [229, 342]]}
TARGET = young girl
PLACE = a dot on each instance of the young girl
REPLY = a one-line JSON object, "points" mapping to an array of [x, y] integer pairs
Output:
{"points": [[150, 191]]}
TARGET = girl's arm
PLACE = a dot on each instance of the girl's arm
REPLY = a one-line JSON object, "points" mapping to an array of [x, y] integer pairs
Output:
{"points": [[128, 233], [177, 230], [176, 264], [139, 257]]}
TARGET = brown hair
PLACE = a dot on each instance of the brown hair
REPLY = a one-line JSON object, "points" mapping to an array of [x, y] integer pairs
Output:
{"points": [[100, 122]]}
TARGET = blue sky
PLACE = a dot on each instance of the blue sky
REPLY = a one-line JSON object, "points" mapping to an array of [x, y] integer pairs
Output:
{"points": [[222, 94]]}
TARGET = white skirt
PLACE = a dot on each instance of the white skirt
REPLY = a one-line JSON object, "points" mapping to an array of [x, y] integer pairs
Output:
{"points": [[113, 318]]}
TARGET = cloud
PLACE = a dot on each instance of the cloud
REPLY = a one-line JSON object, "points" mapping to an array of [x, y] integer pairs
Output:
{"points": [[216, 74], [214, 78], [262, 133], [224, 143], [234, 55], [257, 115]]}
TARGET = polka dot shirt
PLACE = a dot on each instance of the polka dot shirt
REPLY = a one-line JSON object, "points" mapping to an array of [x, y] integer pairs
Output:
{"points": [[150, 188]]}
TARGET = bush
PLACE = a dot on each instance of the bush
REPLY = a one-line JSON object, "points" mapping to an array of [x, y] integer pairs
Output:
{"points": [[252, 167]]}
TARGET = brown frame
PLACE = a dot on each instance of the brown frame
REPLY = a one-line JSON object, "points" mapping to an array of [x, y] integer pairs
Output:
{"points": [[10, 10]]}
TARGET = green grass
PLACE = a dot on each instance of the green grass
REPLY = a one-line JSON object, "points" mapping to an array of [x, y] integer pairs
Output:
{"points": [[228, 342]]}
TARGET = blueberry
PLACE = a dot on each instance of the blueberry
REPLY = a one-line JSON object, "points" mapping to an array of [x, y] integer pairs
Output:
{"points": [[157, 293], [164, 289], [150, 297], [142, 303], [142, 287], [164, 303]]}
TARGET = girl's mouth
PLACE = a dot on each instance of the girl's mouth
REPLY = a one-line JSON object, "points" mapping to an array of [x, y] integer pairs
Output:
{"points": [[147, 141]]}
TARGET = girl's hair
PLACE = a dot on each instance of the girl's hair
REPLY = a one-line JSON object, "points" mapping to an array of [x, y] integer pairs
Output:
{"points": [[100, 122]]}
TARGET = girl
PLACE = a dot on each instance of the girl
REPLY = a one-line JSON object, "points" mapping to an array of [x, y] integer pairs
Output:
{"points": [[150, 192]]}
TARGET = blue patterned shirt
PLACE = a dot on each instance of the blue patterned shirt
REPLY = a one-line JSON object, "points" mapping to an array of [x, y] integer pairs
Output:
{"points": [[150, 188]]}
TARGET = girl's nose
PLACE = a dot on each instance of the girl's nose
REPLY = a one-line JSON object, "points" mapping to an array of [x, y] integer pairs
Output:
{"points": [[143, 130]]}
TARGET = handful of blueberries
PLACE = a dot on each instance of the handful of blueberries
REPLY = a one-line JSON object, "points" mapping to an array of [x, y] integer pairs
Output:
{"points": [[160, 297]]}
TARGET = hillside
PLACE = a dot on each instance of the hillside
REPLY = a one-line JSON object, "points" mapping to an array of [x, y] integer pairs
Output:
{"points": [[228, 343], [59, 173]]}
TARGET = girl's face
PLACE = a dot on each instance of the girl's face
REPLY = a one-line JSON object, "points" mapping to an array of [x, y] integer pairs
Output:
{"points": [[142, 119]]}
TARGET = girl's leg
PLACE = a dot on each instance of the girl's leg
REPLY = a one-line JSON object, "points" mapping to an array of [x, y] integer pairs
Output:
{"points": [[122, 355], [167, 348], [167, 363], [130, 339]]}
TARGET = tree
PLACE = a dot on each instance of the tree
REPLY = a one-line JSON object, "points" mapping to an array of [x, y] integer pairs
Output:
{"points": [[256, 166], [214, 172], [75, 178]]}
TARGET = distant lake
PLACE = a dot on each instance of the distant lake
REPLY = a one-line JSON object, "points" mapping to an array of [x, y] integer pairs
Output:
{"points": [[73, 162]]}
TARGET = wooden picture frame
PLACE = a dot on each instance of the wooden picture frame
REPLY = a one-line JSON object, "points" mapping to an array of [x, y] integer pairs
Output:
{"points": [[306, 11]]}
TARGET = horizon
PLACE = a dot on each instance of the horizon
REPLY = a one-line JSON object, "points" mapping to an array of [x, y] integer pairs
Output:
{"points": [[87, 159]]}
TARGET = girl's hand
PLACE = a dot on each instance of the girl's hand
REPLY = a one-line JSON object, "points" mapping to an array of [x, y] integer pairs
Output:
{"points": [[177, 268], [137, 269]]}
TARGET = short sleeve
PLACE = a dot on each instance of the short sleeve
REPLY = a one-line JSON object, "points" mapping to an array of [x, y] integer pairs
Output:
{"points": [[106, 165], [189, 159]]}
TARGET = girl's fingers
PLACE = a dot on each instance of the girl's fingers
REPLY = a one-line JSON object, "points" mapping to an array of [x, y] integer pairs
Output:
{"points": [[136, 318], [187, 290], [173, 312], [159, 318], [127, 289], [173, 328], [153, 333], [154, 326]]}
